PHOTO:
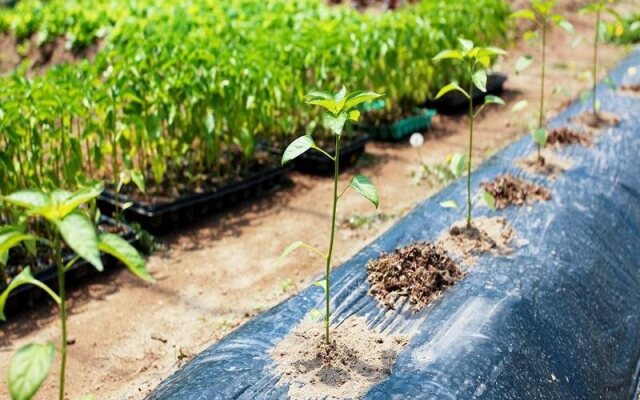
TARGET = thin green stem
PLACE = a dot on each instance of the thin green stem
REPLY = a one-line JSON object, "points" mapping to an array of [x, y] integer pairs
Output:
{"points": [[595, 63], [336, 163], [543, 68], [63, 316], [471, 118]]}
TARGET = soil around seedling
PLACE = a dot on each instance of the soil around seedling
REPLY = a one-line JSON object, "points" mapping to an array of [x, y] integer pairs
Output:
{"points": [[597, 121], [631, 89], [509, 190], [420, 271], [565, 136], [356, 359], [486, 235], [551, 167]]}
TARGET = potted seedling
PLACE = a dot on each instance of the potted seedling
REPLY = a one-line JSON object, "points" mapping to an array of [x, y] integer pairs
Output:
{"points": [[542, 14], [475, 61], [73, 231]]}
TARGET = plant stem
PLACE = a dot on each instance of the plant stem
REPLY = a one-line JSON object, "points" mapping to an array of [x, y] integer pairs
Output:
{"points": [[63, 316], [336, 163], [595, 63], [470, 153], [542, 79]]}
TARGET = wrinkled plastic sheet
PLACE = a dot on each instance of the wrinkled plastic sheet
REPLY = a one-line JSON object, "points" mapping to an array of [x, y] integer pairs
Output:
{"points": [[557, 319]]}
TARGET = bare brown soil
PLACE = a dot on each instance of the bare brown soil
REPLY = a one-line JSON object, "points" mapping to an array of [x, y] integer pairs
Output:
{"points": [[595, 122], [566, 136], [486, 235], [420, 271], [509, 190], [633, 89], [355, 359], [217, 274]]}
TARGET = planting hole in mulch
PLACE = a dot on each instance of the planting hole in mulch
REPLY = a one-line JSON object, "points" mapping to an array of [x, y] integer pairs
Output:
{"points": [[551, 165], [355, 361], [420, 271], [566, 136], [486, 235], [632, 89], [597, 121], [509, 190]]}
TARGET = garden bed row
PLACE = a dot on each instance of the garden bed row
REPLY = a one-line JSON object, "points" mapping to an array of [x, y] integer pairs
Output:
{"points": [[553, 315]]}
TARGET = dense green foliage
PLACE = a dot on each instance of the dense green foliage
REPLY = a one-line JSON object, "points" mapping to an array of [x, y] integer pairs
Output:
{"points": [[625, 30], [186, 92]]}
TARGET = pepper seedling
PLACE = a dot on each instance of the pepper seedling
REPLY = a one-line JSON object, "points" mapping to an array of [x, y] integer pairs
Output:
{"points": [[476, 61], [339, 109], [541, 13], [598, 7], [70, 225]]}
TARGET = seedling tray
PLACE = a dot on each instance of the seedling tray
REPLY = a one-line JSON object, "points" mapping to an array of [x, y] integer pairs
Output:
{"points": [[399, 130], [455, 103], [315, 163], [28, 296], [165, 217]]}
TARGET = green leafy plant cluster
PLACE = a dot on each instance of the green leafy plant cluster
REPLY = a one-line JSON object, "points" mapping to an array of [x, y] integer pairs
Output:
{"points": [[625, 30], [186, 94]]}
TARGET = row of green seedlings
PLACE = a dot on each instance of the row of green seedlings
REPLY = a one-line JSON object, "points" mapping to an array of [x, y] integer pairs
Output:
{"points": [[71, 223], [475, 62], [195, 124]]}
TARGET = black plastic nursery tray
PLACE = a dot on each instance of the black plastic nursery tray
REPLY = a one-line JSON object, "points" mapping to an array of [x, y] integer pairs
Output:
{"points": [[27, 296], [419, 122], [316, 163], [556, 319], [164, 217], [455, 103]]}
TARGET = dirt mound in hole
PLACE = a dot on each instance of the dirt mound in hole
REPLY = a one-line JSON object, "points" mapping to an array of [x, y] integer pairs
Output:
{"points": [[486, 235], [509, 190], [420, 271], [597, 121], [551, 167], [356, 359], [632, 89], [565, 136]]}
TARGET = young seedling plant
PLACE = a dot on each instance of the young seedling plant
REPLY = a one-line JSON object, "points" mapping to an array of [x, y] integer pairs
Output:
{"points": [[541, 13], [475, 61], [339, 109], [456, 164], [598, 7], [65, 216]]}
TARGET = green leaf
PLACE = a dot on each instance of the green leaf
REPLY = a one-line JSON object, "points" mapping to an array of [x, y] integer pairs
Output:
{"points": [[519, 106], [138, 179], [524, 14], [540, 136], [450, 87], [29, 368], [530, 35], [491, 99], [359, 97], [467, 45], [366, 188], [489, 200], [23, 278], [80, 234], [29, 199], [448, 54], [72, 202], [10, 237], [322, 284], [480, 80], [297, 147], [290, 249], [354, 115], [316, 314], [335, 124], [491, 51], [126, 253], [564, 24], [449, 204], [457, 164], [523, 63]]}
